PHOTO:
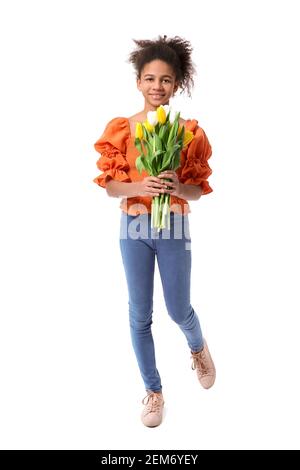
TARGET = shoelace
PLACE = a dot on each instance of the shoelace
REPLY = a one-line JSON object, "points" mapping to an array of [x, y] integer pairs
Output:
{"points": [[198, 359], [153, 402]]}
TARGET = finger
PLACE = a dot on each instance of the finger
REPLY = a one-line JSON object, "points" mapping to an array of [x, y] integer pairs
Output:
{"points": [[169, 191], [155, 190], [155, 179], [158, 182], [156, 186], [164, 180], [171, 183], [167, 175], [167, 172]]}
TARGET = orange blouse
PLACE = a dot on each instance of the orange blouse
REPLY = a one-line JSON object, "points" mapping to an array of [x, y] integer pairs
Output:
{"points": [[117, 161]]}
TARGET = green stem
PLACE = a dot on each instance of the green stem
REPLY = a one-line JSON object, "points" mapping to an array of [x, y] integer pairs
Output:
{"points": [[152, 212], [156, 219]]}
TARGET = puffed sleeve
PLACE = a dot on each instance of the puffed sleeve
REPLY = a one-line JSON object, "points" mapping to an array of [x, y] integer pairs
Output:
{"points": [[196, 169], [112, 147]]}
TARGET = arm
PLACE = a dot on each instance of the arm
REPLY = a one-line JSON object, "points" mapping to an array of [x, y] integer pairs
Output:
{"points": [[118, 189], [149, 186], [190, 192]]}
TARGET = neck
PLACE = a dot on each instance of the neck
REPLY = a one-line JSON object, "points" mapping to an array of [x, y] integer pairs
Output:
{"points": [[148, 107]]}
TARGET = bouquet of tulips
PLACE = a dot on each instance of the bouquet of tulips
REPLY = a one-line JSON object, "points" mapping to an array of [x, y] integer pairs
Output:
{"points": [[160, 140]]}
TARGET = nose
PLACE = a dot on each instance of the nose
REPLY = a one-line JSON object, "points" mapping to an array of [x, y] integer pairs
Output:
{"points": [[157, 86]]}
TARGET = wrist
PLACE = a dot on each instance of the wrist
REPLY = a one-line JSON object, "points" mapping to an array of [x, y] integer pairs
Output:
{"points": [[136, 188], [180, 191], [189, 192]]}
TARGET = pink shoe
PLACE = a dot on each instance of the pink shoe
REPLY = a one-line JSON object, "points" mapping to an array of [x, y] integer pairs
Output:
{"points": [[153, 412], [203, 363]]}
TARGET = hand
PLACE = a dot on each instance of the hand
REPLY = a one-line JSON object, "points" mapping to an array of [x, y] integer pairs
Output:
{"points": [[151, 186], [174, 185]]}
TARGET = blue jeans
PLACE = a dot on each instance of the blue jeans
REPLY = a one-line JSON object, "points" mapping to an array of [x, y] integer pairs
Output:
{"points": [[139, 245]]}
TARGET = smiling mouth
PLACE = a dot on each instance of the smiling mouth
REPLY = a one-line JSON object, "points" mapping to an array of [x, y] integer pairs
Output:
{"points": [[157, 96]]}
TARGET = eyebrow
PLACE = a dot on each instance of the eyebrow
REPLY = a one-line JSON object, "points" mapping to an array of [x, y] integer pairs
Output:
{"points": [[151, 75]]}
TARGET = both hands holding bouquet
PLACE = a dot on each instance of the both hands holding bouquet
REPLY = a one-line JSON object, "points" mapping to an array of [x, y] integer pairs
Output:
{"points": [[161, 184], [160, 140]]}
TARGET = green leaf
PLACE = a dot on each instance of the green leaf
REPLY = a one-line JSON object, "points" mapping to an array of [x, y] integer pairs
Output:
{"points": [[157, 160], [176, 160], [181, 133], [158, 152], [171, 160], [147, 134], [172, 134], [138, 145], [176, 126], [166, 136], [158, 145], [162, 131], [139, 164], [147, 167], [148, 147], [166, 162]]}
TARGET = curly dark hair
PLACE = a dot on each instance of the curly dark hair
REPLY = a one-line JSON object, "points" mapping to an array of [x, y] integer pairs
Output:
{"points": [[174, 51]]}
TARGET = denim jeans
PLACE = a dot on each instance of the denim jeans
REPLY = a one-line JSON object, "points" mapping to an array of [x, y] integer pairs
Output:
{"points": [[139, 245]]}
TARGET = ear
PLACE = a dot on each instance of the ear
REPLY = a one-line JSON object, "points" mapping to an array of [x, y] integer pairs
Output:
{"points": [[176, 86], [138, 84]]}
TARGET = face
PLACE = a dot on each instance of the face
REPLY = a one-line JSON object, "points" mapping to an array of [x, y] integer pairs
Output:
{"points": [[157, 84]]}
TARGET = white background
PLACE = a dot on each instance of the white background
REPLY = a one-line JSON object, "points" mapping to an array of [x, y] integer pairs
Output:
{"points": [[69, 378]]}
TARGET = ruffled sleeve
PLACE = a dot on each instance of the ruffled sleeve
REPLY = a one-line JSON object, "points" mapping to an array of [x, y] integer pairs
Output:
{"points": [[195, 168], [112, 147]]}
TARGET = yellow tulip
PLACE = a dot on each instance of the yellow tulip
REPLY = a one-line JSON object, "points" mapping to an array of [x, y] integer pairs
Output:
{"points": [[148, 126], [139, 131], [188, 137], [161, 115]]}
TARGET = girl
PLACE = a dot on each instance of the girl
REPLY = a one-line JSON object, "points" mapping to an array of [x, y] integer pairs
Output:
{"points": [[162, 67]]}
